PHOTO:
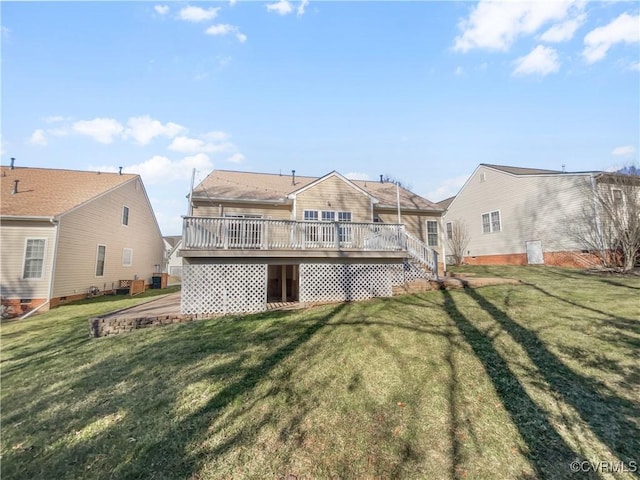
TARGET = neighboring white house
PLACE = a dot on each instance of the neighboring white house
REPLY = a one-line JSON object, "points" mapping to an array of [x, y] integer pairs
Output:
{"points": [[520, 216], [68, 233], [173, 261]]}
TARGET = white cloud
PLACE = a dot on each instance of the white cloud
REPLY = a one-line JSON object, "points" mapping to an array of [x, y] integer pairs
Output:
{"points": [[236, 158], [215, 136], [195, 145], [624, 29], [541, 61], [100, 129], [161, 9], [564, 31], [54, 119], [459, 70], [635, 66], [623, 151], [357, 176], [226, 29], [38, 138], [301, 7], [160, 169], [282, 7], [5, 31], [496, 25], [447, 188], [197, 14], [144, 129]]}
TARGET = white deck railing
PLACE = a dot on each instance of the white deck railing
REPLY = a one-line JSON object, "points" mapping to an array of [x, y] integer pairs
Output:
{"points": [[213, 233], [421, 252]]}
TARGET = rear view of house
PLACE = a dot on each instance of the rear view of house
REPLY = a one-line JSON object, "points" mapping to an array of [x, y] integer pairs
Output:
{"points": [[254, 239], [66, 234]]}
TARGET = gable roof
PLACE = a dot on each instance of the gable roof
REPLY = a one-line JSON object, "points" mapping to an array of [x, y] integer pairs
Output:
{"points": [[446, 202], [228, 185], [46, 192], [520, 170], [333, 174], [173, 240]]}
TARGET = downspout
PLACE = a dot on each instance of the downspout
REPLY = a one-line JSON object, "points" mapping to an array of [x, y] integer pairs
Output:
{"points": [[52, 272], [398, 202], [190, 208]]}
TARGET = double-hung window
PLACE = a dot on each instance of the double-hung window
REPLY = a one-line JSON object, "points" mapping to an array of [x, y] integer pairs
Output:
{"points": [[449, 230], [125, 215], [432, 233], [344, 231], [34, 258], [491, 222], [127, 257], [100, 259]]}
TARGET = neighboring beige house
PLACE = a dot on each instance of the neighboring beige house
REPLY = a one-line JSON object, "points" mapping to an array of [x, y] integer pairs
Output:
{"points": [[66, 234], [521, 216], [256, 238]]}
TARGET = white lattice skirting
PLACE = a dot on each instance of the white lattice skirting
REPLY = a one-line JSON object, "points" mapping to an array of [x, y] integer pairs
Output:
{"points": [[242, 288], [216, 288], [345, 282]]}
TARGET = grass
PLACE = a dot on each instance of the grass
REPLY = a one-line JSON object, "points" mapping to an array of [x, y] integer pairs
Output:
{"points": [[501, 382]]}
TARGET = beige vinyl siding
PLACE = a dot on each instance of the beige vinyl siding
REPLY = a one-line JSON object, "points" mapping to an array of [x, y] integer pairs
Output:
{"points": [[99, 222], [13, 236], [280, 212], [334, 194], [532, 207]]}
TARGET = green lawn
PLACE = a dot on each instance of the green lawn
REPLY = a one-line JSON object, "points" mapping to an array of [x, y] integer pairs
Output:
{"points": [[501, 382]]}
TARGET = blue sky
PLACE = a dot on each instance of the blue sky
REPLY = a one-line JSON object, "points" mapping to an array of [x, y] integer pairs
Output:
{"points": [[421, 91]]}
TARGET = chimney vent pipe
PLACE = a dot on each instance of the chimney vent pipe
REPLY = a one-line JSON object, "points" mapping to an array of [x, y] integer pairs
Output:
{"points": [[120, 171], [13, 160], [293, 177], [381, 180], [15, 187]]}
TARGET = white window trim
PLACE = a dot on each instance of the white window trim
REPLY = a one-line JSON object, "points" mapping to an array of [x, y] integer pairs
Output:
{"points": [[104, 265], [122, 216], [437, 232], [491, 230], [130, 264], [24, 258]]}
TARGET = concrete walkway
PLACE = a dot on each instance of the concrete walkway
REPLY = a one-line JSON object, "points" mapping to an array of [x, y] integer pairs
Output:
{"points": [[165, 305]]}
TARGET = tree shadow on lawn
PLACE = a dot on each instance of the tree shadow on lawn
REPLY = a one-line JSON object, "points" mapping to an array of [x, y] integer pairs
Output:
{"points": [[145, 436], [608, 415], [548, 453]]}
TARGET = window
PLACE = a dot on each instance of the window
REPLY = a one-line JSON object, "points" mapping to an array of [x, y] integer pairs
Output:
{"points": [[432, 233], [617, 196], [344, 216], [344, 232], [34, 258], [125, 215], [310, 216], [328, 216], [449, 231], [127, 257], [491, 222], [100, 257]]}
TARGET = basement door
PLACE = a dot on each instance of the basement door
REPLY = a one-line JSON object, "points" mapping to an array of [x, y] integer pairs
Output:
{"points": [[534, 252], [283, 283]]}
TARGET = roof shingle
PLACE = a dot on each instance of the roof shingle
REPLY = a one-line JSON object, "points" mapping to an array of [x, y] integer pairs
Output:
{"points": [[45, 192]]}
